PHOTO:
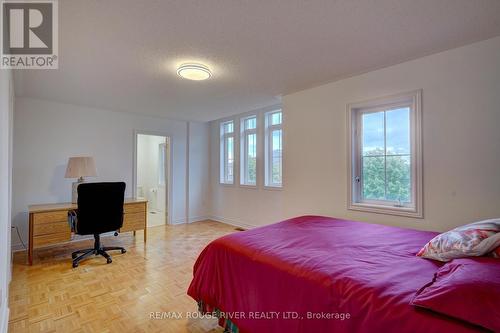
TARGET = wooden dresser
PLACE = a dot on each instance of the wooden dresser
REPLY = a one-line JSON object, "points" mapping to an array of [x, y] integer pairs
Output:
{"points": [[48, 224]]}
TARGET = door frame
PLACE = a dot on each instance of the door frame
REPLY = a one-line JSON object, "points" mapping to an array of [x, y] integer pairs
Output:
{"points": [[168, 172]]}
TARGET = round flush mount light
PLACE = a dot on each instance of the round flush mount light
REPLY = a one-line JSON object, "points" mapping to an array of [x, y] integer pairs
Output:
{"points": [[196, 72]]}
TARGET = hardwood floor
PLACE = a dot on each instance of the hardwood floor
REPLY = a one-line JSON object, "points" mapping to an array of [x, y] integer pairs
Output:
{"points": [[50, 296]]}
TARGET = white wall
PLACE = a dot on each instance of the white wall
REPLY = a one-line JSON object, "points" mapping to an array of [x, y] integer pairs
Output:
{"points": [[461, 144], [47, 133], [6, 108], [199, 169]]}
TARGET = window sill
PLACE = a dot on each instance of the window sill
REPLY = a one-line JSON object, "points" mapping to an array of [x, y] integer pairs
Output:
{"points": [[226, 184], [250, 186], [273, 188], [387, 210]]}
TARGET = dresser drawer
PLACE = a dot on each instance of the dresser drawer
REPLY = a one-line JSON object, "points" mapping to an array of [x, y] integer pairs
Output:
{"points": [[134, 221], [50, 228], [49, 217], [49, 239], [134, 208]]}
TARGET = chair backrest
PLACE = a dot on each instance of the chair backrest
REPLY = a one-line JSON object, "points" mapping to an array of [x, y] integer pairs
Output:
{"points": [[100, 207]]}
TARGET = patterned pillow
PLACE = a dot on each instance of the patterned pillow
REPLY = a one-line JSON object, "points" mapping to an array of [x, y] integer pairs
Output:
{"points": [[475, 239]]}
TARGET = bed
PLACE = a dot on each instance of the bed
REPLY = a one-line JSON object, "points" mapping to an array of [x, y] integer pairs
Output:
{"points": [[319, 274]]}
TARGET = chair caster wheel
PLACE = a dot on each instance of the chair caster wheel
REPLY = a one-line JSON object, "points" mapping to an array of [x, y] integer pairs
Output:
{"points": [[109, 260], [116, 234], [75, 265], [123, 251]]}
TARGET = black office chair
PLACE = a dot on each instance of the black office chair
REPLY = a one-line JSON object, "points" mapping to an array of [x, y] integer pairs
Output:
{"points": [[100, 210]]}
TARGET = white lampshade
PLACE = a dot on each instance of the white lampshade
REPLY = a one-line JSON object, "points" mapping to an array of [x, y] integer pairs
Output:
{"points": [[81, 167]]}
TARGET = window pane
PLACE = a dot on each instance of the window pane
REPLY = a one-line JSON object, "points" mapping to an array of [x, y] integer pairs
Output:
{"points": [[229, 159], [251, 123], [276, 146], [373, 133], [276, 118], [373, 178], [398, 131], [398, 178], [251, 158], [227, 152], [227, 127]]}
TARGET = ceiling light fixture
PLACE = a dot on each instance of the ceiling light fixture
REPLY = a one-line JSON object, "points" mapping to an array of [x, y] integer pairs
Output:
{"points": [[196, 72]]}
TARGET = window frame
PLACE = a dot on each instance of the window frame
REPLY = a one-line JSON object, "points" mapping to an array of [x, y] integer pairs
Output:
{"points": [[268, 158], [354, 113], [162, 162], [223, 163], [244, 133]]}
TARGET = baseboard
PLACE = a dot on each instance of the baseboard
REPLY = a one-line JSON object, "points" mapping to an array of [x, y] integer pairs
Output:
{"points": [[17, 247], [4, 319], [198, 218], [178, 221], [191, 219], [232, 222]]}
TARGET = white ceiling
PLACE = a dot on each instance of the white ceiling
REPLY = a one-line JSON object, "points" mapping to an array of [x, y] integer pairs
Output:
{"points": [[122, 54]]}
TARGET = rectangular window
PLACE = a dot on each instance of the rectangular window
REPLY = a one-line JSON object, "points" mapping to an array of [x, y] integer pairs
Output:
{"points": [[249, 151], [274, 149], [227, 152], [385, 172]]}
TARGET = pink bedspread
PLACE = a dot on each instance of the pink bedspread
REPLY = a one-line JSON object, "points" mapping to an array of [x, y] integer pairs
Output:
{"points": [[270, 279]]}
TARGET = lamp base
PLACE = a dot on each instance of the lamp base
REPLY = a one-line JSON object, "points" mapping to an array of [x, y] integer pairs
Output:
{"points": [[74, 192]]}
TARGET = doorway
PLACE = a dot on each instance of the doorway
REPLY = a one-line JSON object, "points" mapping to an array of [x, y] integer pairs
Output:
{"points": [[152, 175]]}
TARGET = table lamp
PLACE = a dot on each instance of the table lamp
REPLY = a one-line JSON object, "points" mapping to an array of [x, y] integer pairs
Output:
{"points": [[79, 167]]}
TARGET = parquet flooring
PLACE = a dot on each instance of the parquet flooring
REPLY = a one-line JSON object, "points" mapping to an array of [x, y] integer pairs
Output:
{"points": [[51, 296]]}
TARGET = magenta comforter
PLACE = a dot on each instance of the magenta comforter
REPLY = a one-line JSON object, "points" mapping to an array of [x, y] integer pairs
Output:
{"points": [[319, 274]]}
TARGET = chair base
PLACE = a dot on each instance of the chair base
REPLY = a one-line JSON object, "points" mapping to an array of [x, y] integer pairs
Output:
{"points": [[97, 250]]}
